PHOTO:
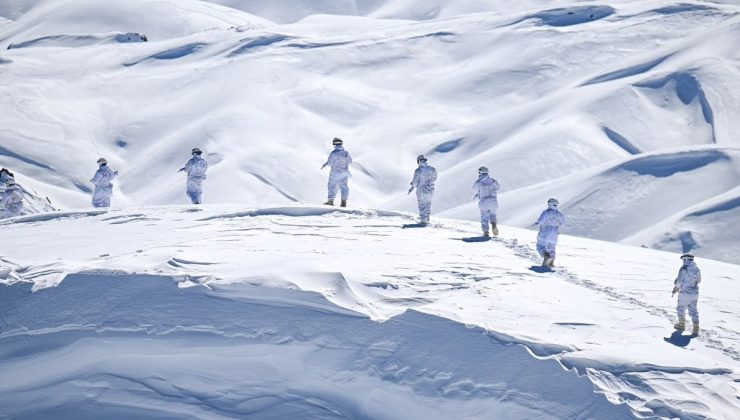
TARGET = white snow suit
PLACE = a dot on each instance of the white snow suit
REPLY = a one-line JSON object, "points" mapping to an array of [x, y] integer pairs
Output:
{"points": [[486, 191], [689, 277], [339, 160], [103, 186], [424, 178], [550, 222], [11, 201], [196, 168]]}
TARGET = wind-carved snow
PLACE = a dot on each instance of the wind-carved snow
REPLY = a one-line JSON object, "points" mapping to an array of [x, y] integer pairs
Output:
{"points": [[276, 310], [547, 96]]}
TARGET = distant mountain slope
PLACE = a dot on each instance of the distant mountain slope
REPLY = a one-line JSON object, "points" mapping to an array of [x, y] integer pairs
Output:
{"points": [[548, 96]]}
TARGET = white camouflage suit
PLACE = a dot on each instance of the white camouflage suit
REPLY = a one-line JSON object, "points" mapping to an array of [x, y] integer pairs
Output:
{"points": [[339, 161], [687, 282], [549, 222], [196, 168], [11, 201], [424, 178], [486, 191], [103, 186]]}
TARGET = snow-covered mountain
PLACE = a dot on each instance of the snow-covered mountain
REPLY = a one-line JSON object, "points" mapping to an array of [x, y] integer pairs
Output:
{"points": [[626, 110], [225, 312]]}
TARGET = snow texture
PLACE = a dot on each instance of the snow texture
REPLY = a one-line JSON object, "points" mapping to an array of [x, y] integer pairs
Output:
{"points": [[547, 95], [215, 311]]}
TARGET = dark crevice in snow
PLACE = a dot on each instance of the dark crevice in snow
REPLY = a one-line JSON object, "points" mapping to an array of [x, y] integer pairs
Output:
{"points": [[621, 141], [68, 41], [24, 159], [273, 186], [688, 89], [661, 166], [570, 16], [172, 54], [313, 45], [681, 8], [442, 35], [728, 205], [447, 146], [261, 41], [627, 72]]}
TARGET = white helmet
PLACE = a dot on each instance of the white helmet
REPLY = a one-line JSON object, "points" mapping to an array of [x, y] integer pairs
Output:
{"points": [[482, 170], [421, 158], [553, 202], [102, 161]]}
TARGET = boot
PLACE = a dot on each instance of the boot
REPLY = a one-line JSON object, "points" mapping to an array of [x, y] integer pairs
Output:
{"points": [[680, 325], [329, 202], [552, 262], [494, 229], [695, 331], [546, 259], [343, 203], [486, 234]]}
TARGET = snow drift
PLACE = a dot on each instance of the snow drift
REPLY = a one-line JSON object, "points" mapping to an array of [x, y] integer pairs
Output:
{"points": [[276, 313], [545, 96]]}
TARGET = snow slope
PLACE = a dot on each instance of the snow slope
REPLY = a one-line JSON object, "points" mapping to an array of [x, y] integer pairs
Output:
{"points": [[221, 311], [555, 97]]}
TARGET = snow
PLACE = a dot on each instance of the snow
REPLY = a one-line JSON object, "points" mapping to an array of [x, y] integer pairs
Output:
{"points": [[547, 94], [259, 304], [221, 311]]}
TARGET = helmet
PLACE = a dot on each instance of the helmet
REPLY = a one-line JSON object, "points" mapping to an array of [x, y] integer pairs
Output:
{"points": [[337, 141], [102, 161], [482, 170], [196, 151], [553, 202], [687, 257], [10, 182], [421, 158]]}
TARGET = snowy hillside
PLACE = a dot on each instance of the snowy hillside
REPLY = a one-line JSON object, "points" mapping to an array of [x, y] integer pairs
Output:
{"points": [[626, 110], [223, 312]]}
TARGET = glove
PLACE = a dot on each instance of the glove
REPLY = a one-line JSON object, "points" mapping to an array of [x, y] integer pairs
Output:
{"points": [[476, 197], [411, 189], [323, 166], [675, 290], [115, 172]]}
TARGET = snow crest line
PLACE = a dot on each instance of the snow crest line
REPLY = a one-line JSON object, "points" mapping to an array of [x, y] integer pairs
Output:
{"points": [[304, 212], [707, 336]]}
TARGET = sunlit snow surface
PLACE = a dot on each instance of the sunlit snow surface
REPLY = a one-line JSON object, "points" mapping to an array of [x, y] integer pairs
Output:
{"points": [[221, 311], [270, 307], [574, 100]]}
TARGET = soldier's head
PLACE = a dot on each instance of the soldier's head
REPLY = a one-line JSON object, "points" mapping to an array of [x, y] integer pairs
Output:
{"points": [[553, 203], [687, 258], [421, 159], [196, 151], [337, 141], [482, 170], [102, 162]]}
